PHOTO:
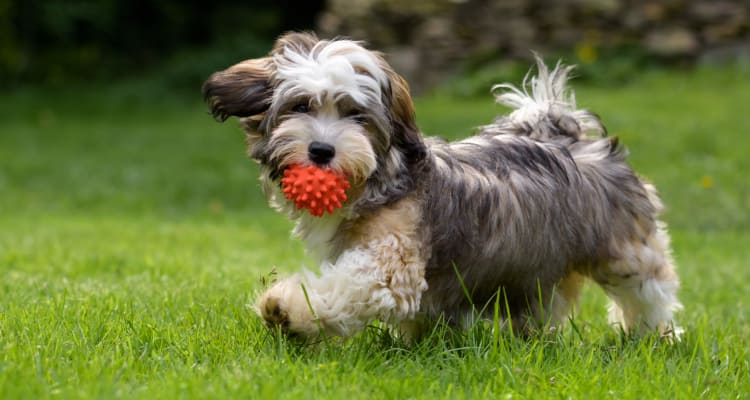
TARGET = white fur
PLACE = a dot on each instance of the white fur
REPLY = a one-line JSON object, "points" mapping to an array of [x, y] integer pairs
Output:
{"points": [[329, 72], [643, 286], [350, 293], [594, 152], [354, 157], [549, 95], [318, 232]]}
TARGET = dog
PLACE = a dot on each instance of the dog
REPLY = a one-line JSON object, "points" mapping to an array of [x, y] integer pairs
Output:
{"points": [[519, 215]]}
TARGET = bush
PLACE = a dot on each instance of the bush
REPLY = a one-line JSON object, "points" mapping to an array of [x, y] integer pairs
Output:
{"points": [[50, 41]]}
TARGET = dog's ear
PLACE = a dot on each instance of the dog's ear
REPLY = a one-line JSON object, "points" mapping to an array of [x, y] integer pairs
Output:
{"points": [[405, 159], [242, 90], [406, 135]]}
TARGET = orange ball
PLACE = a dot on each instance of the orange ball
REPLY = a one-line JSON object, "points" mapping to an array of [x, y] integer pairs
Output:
{"points": [[314, 188]]}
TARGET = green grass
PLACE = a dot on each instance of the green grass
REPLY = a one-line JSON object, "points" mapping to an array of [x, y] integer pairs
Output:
{"points": [[133, 236]]}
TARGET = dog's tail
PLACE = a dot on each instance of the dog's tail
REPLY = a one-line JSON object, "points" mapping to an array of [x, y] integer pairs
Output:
{"points": [[543, 107]]}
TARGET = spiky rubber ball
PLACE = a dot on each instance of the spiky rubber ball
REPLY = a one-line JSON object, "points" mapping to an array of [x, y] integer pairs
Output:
{"points": [[314, 188]]}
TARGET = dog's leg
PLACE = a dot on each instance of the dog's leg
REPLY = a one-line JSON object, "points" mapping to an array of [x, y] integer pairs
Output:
{"points": [[383, 279], [643, 286], [548, 307], [565, 299], [412, 329]]}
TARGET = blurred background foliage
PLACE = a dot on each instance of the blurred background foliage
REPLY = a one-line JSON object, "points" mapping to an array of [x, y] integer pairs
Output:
{"points": [[53, 41], [465, 45]]}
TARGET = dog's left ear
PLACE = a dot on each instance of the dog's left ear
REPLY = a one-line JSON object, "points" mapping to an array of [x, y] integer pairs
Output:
{"points": [[406, 136], [242, 90]]}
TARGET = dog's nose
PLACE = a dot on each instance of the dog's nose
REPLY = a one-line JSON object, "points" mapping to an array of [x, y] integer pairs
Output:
{"points": [[320, 153]]}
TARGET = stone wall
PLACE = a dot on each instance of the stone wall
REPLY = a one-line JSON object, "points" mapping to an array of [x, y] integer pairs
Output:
{"points": [[427, 40]]}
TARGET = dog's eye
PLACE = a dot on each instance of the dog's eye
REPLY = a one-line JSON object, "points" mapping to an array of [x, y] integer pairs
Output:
{"points": [[301, 108], [357, 116]]}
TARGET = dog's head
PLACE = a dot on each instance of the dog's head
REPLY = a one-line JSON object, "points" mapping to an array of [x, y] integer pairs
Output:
{"points": [[331, 103]]}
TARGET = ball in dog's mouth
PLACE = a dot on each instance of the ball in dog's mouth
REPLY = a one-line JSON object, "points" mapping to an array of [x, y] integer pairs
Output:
{"points": [[314, 188]]}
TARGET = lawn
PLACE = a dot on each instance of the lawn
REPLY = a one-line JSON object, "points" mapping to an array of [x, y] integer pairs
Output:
{"points": [[133, 236]]}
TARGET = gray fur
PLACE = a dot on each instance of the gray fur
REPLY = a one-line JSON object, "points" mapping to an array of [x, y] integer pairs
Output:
{"points": [[523, 204], [537, 212]]}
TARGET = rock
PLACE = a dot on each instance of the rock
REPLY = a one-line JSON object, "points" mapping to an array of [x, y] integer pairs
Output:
{"points": [[404, 60], [707, 11], [671, 42], [430, 39]]}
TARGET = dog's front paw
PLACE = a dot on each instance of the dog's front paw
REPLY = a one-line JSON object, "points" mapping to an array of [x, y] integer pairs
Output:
{"points": [[284, 304]]}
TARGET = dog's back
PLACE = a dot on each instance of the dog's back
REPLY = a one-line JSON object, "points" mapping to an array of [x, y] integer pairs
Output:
{"points": [[536, 197]]}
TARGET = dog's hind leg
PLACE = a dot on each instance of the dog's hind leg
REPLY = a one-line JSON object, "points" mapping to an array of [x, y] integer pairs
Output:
{"points": [[642, 285], [550, 307], [565, 299]]}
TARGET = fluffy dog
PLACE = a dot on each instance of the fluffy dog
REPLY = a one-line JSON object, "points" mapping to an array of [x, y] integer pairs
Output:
{"points": [[525, 210]]}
